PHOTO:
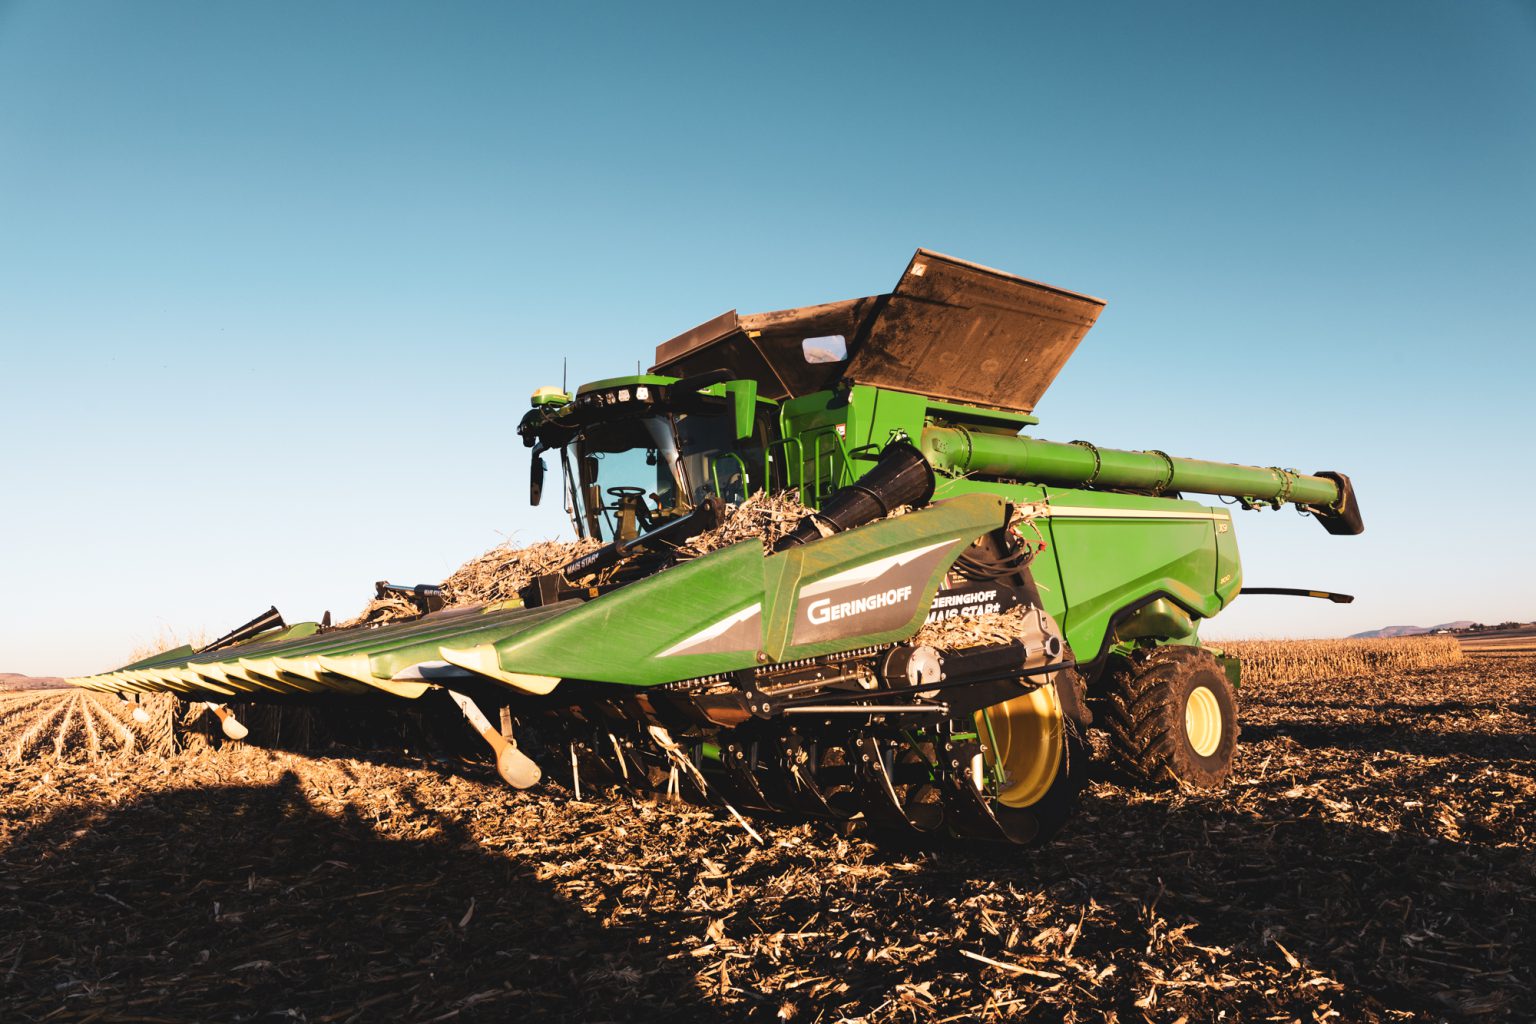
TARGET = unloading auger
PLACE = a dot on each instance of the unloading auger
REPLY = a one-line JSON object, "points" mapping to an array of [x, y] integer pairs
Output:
{"points": [[923, 651]]}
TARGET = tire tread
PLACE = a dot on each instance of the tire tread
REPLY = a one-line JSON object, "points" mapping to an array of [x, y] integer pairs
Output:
{"points": [[1141, 716]]}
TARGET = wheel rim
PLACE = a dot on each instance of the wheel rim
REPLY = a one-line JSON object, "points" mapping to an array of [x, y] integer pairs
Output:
{"points": [[1027, 733], [1202, 721]]}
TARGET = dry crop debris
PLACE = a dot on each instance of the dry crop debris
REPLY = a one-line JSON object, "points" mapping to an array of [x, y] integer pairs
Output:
{"points": [[1373, 860], [498, 574]]}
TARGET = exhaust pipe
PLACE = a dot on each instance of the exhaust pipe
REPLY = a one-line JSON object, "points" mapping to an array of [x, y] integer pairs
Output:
{"points": [[902, 476]]}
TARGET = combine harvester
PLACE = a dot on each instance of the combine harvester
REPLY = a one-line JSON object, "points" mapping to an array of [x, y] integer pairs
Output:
{"points": [[795, 680]]}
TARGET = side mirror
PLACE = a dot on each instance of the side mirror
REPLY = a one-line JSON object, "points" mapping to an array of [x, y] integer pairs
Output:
{"points": [[536, 480]]}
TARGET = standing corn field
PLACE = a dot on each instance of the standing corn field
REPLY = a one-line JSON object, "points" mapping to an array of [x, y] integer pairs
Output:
{"points": [[1269, 661]]}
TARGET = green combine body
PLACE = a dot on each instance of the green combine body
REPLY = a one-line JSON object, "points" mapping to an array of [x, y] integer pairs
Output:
{"points": [[797, 680]]}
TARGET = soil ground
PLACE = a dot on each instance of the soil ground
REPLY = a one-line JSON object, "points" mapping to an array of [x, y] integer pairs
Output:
{"points": [[1373, 860]]}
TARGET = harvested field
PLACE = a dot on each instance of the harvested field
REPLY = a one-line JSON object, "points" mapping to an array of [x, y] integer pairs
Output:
{"points": [[52, 723], [1373, 860], [1499, 642]]}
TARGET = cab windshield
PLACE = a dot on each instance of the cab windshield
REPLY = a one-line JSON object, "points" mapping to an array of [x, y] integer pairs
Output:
{"points": [[631, 474]]}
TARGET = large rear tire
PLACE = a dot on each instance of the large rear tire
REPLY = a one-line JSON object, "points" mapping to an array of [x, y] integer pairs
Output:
{"points": [[1172, 717]]}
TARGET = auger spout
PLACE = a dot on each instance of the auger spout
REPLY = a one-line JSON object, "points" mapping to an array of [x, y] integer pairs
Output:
{"points": [[900, 477], [957, 451]]}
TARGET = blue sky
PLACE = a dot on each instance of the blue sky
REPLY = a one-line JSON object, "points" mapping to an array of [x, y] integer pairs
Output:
{"points": [[277, 279]]}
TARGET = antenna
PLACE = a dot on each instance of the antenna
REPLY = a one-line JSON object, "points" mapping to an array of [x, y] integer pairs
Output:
{"points": [[565, 367]]}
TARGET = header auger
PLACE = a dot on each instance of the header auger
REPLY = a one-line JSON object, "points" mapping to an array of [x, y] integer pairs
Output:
{"points": [[923, 650]]}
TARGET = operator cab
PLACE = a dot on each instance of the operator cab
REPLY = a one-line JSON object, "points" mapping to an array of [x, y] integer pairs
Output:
{"points": [[636, 452]]}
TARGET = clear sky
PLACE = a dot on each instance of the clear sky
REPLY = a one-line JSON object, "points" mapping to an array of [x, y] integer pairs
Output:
{"points": [[276, 279]]}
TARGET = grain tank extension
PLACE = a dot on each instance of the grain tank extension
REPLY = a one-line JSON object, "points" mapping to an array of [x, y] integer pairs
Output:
{"points": [[922, 651]]}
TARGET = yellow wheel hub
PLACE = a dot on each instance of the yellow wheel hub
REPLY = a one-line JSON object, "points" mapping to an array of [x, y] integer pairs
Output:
{"points": [[1026, 739], [1202, 721]]}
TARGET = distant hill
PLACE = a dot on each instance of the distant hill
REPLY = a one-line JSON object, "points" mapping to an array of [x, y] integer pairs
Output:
{"points": [[17, 681], [1412, 630]]}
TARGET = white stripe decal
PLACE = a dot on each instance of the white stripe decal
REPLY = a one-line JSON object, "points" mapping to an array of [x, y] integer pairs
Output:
{"points": [[869, 570], [1063, 512], [710, 632]]}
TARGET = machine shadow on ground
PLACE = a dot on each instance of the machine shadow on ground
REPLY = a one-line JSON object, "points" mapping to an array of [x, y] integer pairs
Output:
{"points": [[250, 903], [293, 900]]}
